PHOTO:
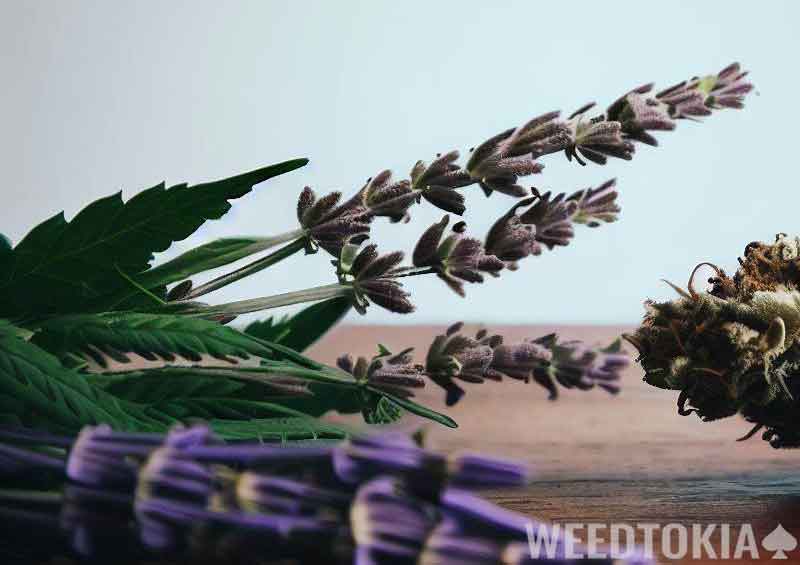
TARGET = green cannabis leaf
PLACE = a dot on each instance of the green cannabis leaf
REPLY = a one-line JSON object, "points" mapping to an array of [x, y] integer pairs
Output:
{"points": [[152, 336], [304, 328], [66, 267], [47, 394]]}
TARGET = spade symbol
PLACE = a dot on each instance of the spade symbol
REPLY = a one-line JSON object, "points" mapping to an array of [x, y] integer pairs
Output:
{"points": [[780, 541]]}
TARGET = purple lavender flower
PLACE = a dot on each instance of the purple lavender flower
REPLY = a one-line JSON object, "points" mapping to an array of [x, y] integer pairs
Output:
{"points": [[697, 97], [367, 457], [372, 278], [437, 182], [640, 114], [270, 494], [574, 365], [396, 374], [329, 226], [387, 524], [596, 205], [511, 240], [499, 162], [382, 197], [456, 356], [552, 217], [456, 258], [520, 360], [171, 473], [597, 139], [100, 457], [729, 88]]}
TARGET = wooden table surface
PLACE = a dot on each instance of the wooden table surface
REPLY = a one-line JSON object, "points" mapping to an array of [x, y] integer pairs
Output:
{"points": [[629, 459]]}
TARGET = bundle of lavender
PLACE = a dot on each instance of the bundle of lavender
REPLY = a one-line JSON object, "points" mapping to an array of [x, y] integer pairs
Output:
{"points": [[373, 499], [92, 332], [734, 349]]}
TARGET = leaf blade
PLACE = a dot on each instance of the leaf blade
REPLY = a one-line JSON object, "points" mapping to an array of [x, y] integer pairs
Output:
{"points": [[63, 266]]}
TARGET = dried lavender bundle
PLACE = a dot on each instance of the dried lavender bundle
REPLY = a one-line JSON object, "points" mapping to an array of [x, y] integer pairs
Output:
{"points": [[373, 499], [734, 349]]}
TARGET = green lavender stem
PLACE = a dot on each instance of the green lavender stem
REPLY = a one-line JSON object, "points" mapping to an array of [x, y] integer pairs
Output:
{"points": [[249, 269], [257, 304], [181, 266]]}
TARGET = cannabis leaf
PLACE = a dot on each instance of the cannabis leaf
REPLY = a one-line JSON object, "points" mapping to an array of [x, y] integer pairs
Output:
{"points": [[65, 267], [153, 336], [304, 328], [290, 429], [47, 394], [377, 409]]}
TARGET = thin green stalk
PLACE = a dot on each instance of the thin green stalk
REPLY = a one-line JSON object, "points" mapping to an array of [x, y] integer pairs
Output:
{"points": [[249, 269], [181, 266], [257, 304]]}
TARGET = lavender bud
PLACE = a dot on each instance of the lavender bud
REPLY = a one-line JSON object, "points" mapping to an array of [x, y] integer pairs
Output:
{"points": [[393, 373], [498, 163], [382, 197], [596, 205], [371, 277], [456, 258], [597, 140], [697, 97], [574, 365], [520, 360], [329, 226], [99, 457], [443, 172], [387, 524], [267, 494], [455, 356], [511, 240], [552, 218], [639, 114], [444, 198]]}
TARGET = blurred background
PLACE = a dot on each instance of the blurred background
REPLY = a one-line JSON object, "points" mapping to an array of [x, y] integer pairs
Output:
{"points": [[103, 96]]}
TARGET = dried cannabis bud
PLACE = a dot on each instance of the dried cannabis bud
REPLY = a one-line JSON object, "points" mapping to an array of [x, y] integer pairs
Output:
{"points": [[736, 348]]}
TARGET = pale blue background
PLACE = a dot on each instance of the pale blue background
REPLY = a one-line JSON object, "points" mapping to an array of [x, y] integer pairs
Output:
{"points": [[98, 96]]}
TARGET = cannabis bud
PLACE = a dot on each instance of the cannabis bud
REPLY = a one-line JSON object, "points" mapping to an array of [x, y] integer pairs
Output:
{"points": [[734, 348]]}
